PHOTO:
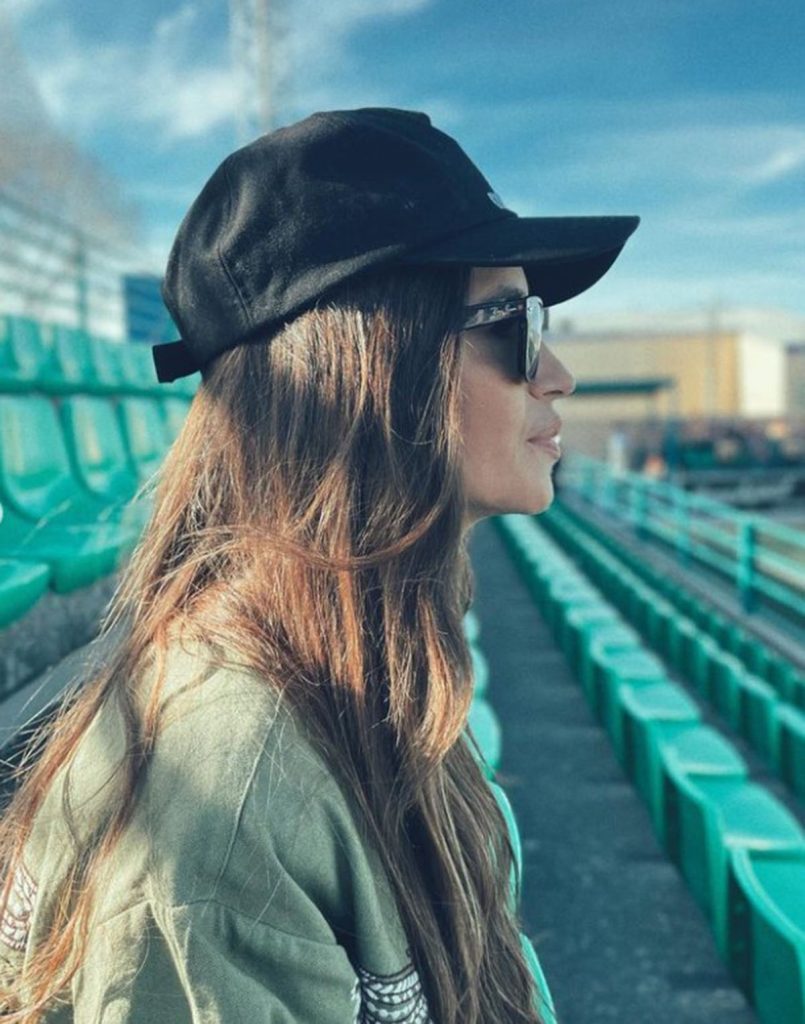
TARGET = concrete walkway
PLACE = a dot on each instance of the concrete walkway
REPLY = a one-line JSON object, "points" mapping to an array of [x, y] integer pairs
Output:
{"points": [[617, 932]]}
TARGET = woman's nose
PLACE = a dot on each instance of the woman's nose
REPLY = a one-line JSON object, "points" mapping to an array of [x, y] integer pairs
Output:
{"points": [[553, 377]]}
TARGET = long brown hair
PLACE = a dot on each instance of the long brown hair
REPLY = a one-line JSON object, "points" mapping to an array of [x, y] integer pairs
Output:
{"points": [[309, 520]]}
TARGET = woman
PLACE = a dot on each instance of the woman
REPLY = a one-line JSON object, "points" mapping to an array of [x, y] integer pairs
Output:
{"points": [[264, 807]]}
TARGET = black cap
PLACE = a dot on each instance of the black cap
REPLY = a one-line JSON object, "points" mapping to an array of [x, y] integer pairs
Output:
{"points": [[301, 209]]}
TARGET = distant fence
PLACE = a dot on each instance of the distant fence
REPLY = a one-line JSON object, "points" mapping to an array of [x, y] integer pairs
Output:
{"points": [[764, 560], [56, 272]]}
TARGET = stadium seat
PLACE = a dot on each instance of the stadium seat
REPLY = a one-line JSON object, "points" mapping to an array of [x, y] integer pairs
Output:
{"points": [[145, 434], [98, 454], [715, 816], [472, 627], [175, 413], [544, 1004], [24, 354], [480, 671], [766, 931], [21, 586], [650, 714], [514, 837], [485, 728], [696, 748], [107, 361], [47, 516], [601, 642], [757, 716], [577, 626], [791, 725], [613, 670], [75, 372]]}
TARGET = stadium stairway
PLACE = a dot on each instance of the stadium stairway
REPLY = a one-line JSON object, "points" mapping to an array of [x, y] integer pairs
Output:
{"points": [[736, 842]]}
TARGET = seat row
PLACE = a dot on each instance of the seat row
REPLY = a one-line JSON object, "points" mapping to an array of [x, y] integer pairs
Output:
{"points": [[759, 694], [61, 360], [70, 470], [485, 729], [740, 850]]}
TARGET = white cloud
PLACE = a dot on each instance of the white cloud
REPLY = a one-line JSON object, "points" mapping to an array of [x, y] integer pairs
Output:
{"points": [[180, 81]]}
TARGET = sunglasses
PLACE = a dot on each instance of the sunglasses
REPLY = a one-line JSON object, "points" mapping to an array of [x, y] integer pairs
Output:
{"points": [[530, 318]]}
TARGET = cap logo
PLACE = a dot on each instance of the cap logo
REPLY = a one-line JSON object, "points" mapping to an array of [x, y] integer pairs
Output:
{"points": [[497, 200]]}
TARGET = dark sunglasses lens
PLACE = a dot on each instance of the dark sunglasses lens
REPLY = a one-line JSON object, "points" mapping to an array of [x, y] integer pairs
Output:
{"points": [[533, 341]]}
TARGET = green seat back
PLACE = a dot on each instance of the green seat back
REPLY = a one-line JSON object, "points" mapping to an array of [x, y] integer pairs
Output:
{"points": [[94, 438], [35, 475], [72, 353], [145, 433]]}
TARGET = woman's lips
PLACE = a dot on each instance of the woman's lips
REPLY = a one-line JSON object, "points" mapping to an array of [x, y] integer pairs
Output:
{"points": [[549, 444]]}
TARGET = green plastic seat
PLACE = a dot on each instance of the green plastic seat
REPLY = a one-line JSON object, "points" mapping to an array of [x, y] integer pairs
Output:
{"points": [[107, 363], [725, 672], [683, 635], [700, 751], [145, 434], [767, 931], [617, 670], [717, 815], [757, 715], [472, 627], [702, 655], [791, 726], [47, 515], [24, 354], [480, 670], [650, 714], [516, 881], [21, 586], [564, 593], [175, 413], [658, 615], [601, 641], [75, 372], [577, 626], [485, 727], [99, 458], [544, 1002], [139, 375]]}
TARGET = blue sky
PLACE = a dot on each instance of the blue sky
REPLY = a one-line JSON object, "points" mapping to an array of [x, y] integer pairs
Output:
{"points": [[690, 113]]}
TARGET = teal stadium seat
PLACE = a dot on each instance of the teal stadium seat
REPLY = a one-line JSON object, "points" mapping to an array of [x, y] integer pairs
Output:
{"points": [[98, 453], [140, 374], [24, 354], [74, 371], [174, 411], [545, 1004], [107, 361], [791, 723], [47, 516], [767, 931], [21, 586], [507, 811], [485, 728], [145, 434], [718, 815]]}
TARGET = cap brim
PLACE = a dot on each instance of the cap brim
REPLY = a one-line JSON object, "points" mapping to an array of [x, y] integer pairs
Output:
{"points": [[561, 256]]}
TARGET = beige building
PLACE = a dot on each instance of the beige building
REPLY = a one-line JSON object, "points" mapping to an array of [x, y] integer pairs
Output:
{"points": [[729, 366]]}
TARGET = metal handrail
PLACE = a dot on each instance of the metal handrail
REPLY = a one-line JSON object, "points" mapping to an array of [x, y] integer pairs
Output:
{"points": [[763, 560]]}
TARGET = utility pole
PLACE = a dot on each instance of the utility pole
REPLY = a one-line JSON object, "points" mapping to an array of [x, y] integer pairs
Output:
{"points": [[256, 36]]}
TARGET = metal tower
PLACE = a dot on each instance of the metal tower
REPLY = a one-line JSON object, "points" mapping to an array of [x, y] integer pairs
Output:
{"points": [[257, 33]]}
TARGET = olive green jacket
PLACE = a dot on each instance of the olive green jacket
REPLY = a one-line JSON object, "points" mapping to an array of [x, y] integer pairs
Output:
{"points": [[244, 888]]}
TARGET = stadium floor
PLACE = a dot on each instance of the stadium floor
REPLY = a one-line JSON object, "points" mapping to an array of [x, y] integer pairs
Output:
{"points": [[617, 932]]}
